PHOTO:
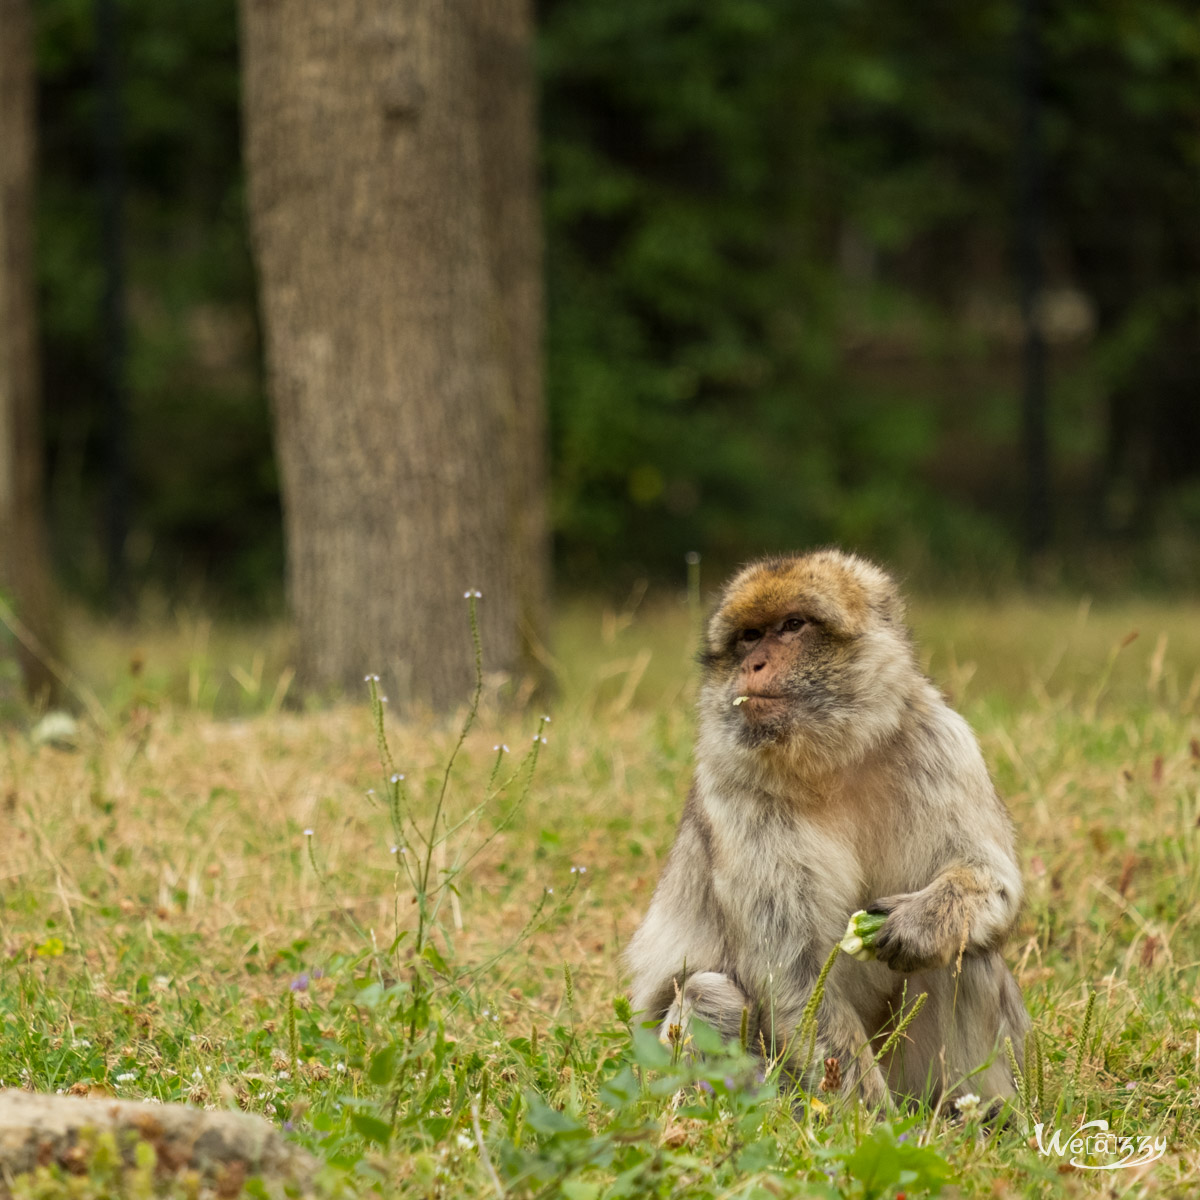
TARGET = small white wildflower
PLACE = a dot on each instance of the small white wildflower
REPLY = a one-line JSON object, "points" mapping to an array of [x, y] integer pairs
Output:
{"points": [[59, 1091], [545, 720], [282, 1075], [127, 1077], [340, 1068], [467, 594], [543, 741], [84, 1043], [504, 748], [382, 699], [370, 791], [967, 1104], [464, 1142], [549, 891], [151, 1100], [583, 870], [308, 833], [574, 869]]}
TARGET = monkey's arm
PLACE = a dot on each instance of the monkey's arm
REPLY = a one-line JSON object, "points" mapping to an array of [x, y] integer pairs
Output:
{"points": [[960, 839], [969, 908], [680, 932]]}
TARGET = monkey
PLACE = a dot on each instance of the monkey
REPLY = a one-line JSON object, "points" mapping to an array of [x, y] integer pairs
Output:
{"points": [[832, 776]]}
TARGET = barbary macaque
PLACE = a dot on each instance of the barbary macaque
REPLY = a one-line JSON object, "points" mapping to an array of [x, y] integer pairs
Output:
{"points": [[832, 776]]}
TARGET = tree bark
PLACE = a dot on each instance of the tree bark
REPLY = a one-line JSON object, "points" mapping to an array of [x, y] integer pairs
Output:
{"points": [[24, 570], [390, 151]]}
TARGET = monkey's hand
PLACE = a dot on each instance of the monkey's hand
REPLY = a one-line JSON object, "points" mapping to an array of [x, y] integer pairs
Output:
{"points": [[921, 932], [966, 909], [908, 941]]}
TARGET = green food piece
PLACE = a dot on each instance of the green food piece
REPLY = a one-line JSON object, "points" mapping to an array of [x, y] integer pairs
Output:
{"points": [[861, 929], [867, 925]]}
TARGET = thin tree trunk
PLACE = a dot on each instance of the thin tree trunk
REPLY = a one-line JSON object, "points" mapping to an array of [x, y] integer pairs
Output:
{"points": [[389, 146], [505, 108], [24, 571], [111, 173], [1030, 220]]}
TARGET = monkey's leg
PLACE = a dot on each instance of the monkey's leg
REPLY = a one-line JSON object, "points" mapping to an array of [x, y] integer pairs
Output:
{"points": [[955, 1045], [712, 998], [839, 1034], [965, 909]]}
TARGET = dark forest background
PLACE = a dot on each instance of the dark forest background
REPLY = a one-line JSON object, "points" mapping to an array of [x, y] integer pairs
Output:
{"points": [[784, 278]]}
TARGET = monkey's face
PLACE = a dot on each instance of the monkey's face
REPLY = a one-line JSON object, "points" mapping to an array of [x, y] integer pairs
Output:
{"points": [[807, 654]]}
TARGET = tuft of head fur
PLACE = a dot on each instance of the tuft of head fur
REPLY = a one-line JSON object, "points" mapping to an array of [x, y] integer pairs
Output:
{"points": [[847, 685], [844, 591]]}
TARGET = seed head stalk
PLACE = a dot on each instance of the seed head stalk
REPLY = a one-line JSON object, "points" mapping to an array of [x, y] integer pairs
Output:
{"points": [[472, 597]]}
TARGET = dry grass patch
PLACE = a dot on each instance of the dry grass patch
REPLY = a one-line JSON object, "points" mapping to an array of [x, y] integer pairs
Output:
{"points": [[168, 928]]}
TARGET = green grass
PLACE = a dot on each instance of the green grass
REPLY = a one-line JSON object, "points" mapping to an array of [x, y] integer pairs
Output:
{"points": [[169, 931]]}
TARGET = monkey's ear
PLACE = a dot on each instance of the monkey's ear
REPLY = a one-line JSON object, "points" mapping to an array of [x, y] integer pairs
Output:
{"points": [[715, 644], [883, 591], [890, 607]]}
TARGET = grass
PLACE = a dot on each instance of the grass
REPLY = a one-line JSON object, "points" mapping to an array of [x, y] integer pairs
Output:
{"points": [[169, 931]]}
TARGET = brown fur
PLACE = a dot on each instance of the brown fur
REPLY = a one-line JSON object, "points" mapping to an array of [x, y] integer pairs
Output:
{"points": [[844, 782]]}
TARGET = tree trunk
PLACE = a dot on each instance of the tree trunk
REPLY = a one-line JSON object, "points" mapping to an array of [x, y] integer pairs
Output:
{"points": [[390, 151], [24, 571]]}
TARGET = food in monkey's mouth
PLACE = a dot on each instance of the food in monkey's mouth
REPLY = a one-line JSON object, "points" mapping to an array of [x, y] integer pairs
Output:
{"points": [[740, 700]]}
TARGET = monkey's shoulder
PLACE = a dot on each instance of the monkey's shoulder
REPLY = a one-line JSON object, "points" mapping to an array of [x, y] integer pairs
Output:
{"points": [[936, 749]]}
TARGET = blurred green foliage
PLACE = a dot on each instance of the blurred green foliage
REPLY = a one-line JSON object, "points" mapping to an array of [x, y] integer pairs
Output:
{"points": [[780, 297], [781, 289], [205, 498], [738, 197]]}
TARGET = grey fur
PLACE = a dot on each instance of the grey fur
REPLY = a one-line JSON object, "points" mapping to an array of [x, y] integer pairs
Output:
{"points": [[847, 782]]}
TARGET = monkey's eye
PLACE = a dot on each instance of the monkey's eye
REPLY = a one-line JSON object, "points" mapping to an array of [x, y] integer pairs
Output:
{"points": [[749, 635], [794, 623]]}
